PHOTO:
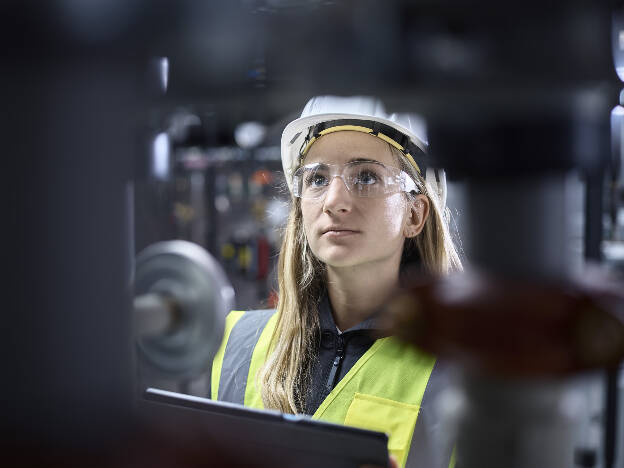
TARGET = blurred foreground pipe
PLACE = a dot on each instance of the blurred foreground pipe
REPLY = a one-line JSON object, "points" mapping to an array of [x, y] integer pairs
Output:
{"points": [[521, 346]]}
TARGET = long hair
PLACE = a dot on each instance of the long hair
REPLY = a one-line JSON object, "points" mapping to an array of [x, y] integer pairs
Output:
{"points": [[433, 248], [284, 378]]}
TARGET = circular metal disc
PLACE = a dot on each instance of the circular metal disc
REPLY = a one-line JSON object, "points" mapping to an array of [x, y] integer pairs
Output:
{"points": [[191, 278]]}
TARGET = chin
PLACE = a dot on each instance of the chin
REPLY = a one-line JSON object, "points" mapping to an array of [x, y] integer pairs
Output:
{"points": [[340, 259], [340, 264]]}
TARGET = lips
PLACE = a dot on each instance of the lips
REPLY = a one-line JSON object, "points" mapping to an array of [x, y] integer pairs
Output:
{"points": [[338, 230]]}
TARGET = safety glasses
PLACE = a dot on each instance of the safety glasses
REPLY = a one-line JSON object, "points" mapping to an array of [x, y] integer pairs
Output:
{"points": [[369, 179]]}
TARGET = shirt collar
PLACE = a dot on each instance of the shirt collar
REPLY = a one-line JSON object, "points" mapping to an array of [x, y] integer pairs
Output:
{"points": [[327, 322]]}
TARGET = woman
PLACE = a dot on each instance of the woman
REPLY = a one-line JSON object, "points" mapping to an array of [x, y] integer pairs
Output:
{"points": [[362, 211]]}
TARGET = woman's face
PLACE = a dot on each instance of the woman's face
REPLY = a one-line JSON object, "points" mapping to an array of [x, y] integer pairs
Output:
{"points": [[344, 230]]}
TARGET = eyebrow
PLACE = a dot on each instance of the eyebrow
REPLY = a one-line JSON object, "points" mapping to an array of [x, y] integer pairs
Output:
{"points": [[349, 161], [363, 160]]}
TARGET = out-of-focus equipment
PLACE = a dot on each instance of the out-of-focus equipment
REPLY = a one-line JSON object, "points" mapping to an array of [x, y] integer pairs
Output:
{"points": [[516, 98], [516, 328], [181, 299], [521, 346]]}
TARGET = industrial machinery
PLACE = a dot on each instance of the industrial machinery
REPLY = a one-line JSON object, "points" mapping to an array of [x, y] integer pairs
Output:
{"points": [[517, 99], [181, 299]]}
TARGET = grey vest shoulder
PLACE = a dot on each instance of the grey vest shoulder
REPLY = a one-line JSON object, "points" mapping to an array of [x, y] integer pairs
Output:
{"points": [[238, 351]]}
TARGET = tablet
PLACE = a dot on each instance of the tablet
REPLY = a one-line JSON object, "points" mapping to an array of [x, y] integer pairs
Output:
{"points": [[277, 439]]}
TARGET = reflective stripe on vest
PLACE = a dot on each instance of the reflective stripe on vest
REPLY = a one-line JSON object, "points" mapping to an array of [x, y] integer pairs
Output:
{"points": [[383, 390], [237, 356], [429, 431]]}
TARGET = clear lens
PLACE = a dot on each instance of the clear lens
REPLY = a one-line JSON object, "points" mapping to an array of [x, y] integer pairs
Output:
{"points": [[362, 178]]}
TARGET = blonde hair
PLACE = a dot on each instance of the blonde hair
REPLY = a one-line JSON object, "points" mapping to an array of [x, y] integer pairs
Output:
{"points": [[284, 378], [434, 245]]}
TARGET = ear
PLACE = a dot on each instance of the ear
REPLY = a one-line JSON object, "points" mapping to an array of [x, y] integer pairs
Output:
{"points": [[417, 216]]}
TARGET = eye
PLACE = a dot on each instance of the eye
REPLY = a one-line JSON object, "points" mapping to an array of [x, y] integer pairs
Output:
{"points": [[315, 179], [366, 177]]}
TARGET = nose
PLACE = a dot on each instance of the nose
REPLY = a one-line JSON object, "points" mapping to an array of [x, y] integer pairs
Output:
{"points": [[337, 197]]}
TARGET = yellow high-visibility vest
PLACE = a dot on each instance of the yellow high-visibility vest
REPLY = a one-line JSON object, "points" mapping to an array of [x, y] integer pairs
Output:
{"points": [[381, 392]]}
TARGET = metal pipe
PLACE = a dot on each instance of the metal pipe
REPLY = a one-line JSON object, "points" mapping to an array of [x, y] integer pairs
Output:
{"points": [[154, 314]]}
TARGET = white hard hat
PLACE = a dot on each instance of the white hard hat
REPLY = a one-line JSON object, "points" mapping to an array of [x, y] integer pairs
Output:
{"points": [[326, 114]]}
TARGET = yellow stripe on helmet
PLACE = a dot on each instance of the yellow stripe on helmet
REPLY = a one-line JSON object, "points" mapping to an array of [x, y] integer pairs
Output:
{"points": [[359, 128], [408, 156], [387, 139], [307, 146], [412, 161], [340, 128]]}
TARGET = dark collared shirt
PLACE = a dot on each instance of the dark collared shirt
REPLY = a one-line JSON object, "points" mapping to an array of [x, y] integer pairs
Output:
{"points": [[337, 353]]}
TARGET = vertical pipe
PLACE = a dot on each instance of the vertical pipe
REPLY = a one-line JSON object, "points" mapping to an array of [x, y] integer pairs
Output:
{"points": [[593, 216], [69, 350], [593, 252], [518, 226]]}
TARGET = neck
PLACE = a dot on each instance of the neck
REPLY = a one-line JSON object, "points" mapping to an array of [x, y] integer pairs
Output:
{"points": [[356, 293]]}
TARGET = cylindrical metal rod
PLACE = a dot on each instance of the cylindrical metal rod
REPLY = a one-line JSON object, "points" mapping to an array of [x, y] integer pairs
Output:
{"points": [[154, 314], [508, 422]]}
